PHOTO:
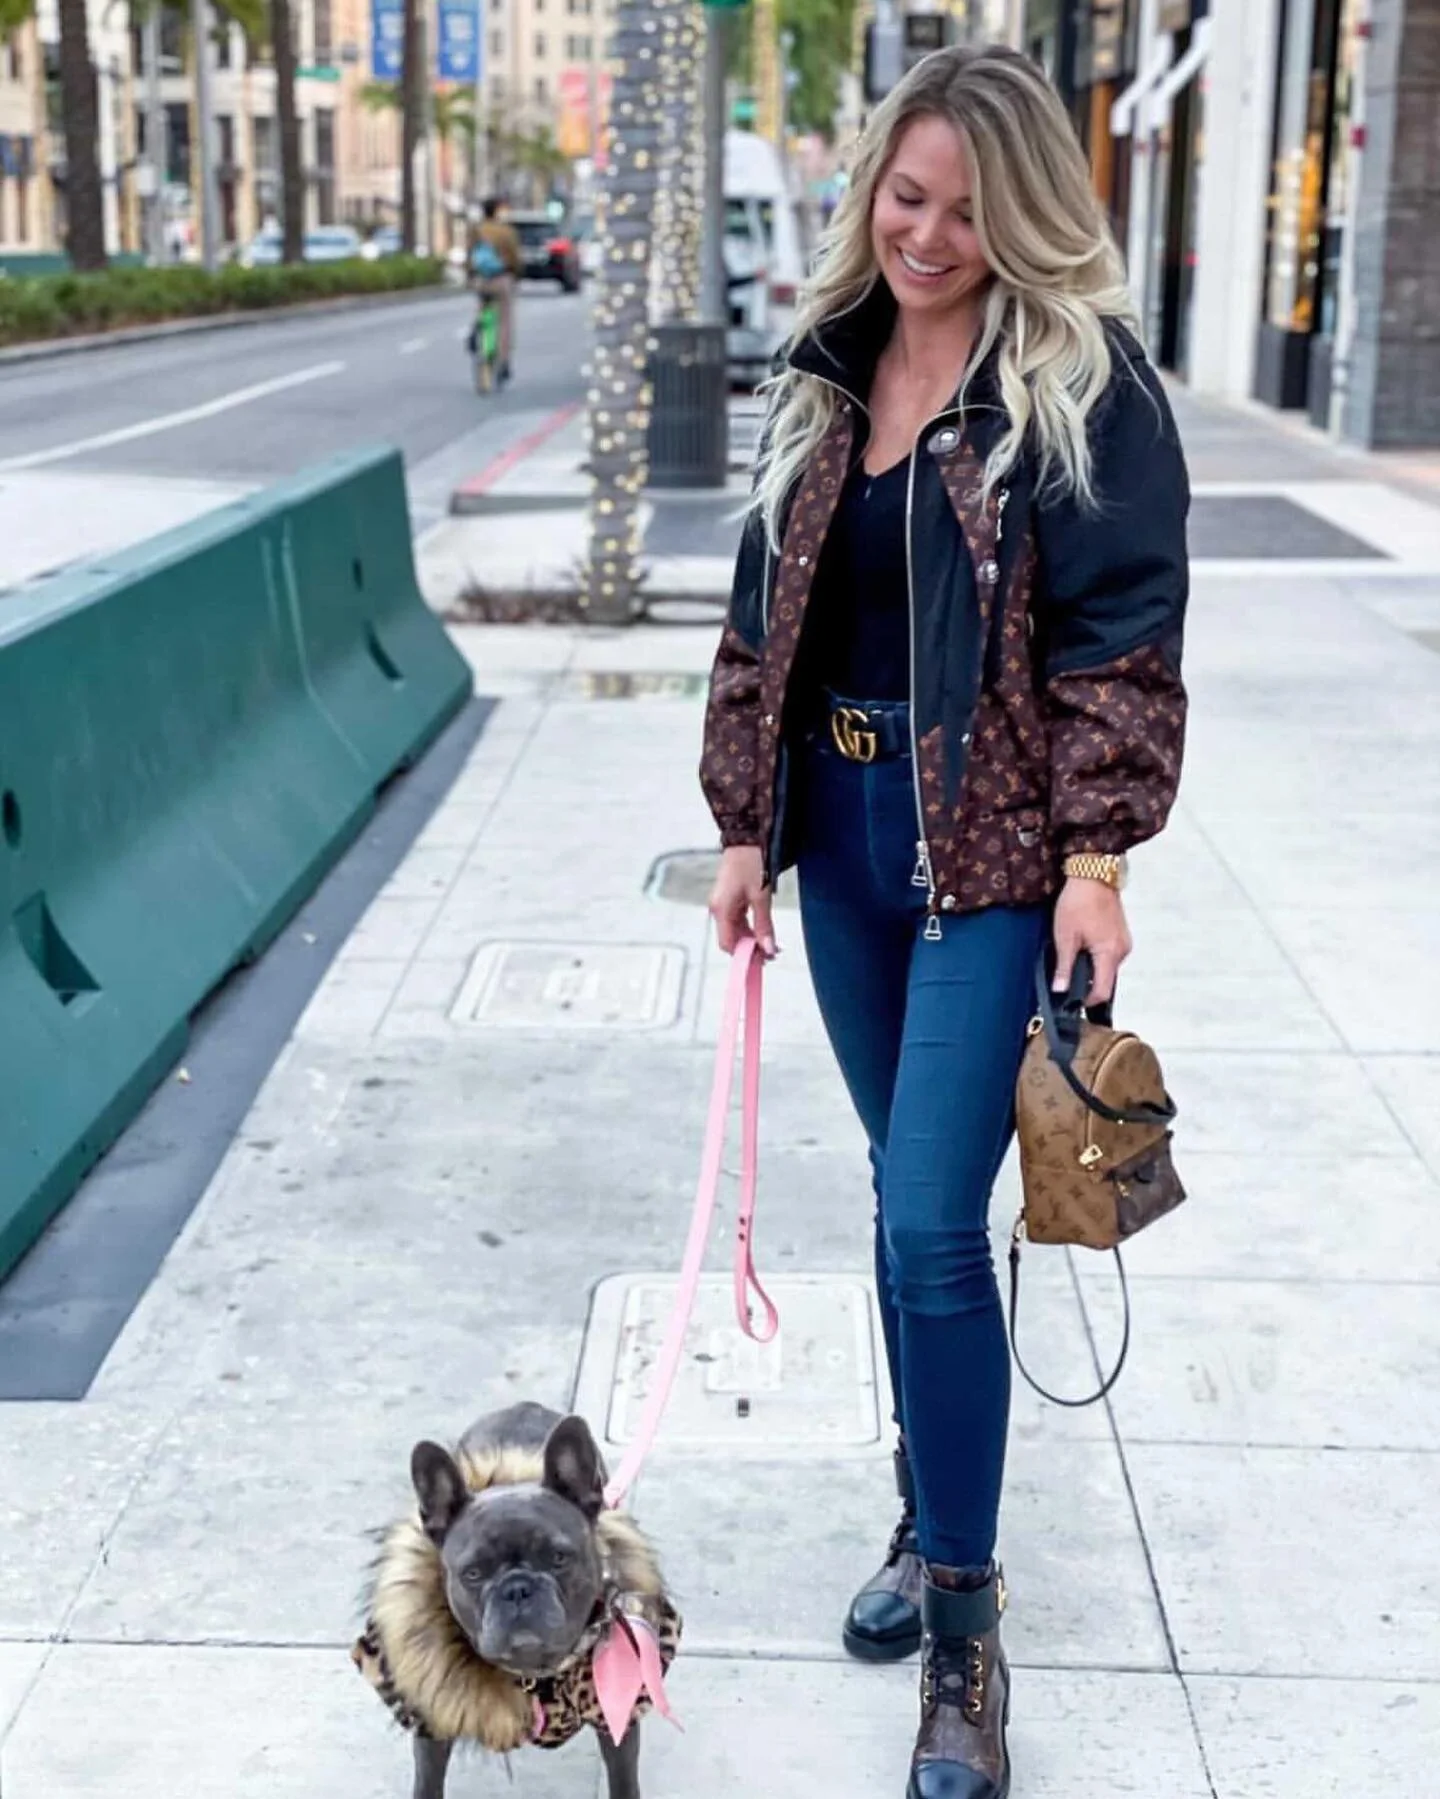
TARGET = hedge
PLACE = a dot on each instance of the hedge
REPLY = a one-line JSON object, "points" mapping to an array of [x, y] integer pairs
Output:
{"points": [[73, 305]]}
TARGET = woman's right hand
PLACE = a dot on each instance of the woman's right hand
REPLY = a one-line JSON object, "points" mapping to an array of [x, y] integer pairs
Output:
{"points": [[740, 902]]}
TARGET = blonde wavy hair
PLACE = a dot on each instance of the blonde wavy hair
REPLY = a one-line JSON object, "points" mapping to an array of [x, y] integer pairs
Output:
{"points": [[1057, 274]]}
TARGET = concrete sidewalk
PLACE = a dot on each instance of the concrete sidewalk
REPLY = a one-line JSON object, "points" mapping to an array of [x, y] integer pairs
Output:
{"points": [[1265, 494], [467, 1181]]}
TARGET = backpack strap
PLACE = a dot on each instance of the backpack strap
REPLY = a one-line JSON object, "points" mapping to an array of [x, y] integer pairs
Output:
{"points": [[1044, 1392]]}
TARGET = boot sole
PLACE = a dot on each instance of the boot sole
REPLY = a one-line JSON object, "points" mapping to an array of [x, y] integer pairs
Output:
{"points": [[888, 1649]]}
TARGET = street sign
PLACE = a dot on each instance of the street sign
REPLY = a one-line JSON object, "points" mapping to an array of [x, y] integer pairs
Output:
{"points": [[723, 5], [458, 41], [387, 39]]}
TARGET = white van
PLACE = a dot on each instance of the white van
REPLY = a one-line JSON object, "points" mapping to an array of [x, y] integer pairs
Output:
{"points": [[764, 261]]}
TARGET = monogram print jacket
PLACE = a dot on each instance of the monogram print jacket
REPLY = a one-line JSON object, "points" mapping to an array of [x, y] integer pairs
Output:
{"points": [[1049, 712]]}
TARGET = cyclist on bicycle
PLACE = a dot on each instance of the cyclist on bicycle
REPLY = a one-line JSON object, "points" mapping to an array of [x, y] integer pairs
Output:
{"points": [[496, 264]]}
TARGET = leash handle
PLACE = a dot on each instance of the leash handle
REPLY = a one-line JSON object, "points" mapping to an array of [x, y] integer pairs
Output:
{"points": [[742, 995]]}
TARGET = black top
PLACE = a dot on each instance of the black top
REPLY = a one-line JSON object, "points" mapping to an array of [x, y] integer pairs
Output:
{"points": [[857, 621]]}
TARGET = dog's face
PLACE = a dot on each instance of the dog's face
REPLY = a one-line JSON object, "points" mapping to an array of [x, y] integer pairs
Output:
{"points": [[522, 1565]]}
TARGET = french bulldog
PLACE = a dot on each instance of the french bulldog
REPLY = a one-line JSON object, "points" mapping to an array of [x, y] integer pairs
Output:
{"points": [[523, 1563]]}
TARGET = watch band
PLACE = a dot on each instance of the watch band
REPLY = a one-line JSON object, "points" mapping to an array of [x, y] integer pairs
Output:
{"points": [[1090, 865]]}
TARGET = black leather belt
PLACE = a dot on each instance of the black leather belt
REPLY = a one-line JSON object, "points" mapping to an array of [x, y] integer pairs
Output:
{"points": [[864, 733]]}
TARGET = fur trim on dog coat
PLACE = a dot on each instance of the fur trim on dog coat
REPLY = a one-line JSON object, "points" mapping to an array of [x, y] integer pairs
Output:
{"points": [[427, 1671]]}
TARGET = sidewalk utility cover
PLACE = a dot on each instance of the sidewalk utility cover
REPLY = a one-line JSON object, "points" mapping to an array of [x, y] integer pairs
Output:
{"points": [[572, 986], [812, 1391]]}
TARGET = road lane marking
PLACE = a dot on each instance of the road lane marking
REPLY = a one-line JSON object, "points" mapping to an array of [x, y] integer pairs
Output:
{"points": [[169, 421], [413, 345]]}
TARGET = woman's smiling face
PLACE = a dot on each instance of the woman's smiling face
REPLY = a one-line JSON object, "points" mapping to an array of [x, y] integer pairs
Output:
{"points": [[922, 224]]}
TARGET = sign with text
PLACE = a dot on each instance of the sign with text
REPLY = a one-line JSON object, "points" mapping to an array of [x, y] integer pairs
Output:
{"points": [[925, 32], [387, 39], [458, 41]]}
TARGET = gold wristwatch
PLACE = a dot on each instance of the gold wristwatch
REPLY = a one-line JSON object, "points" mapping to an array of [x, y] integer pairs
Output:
{"points": [[1114, 871]]}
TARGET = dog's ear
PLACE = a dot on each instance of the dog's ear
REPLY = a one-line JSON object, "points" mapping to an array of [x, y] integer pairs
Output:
{"points": [[440, 1488], [572, 1467]]}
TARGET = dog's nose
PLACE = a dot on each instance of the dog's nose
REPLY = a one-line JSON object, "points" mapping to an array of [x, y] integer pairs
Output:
{"points": [[517, 1588]]}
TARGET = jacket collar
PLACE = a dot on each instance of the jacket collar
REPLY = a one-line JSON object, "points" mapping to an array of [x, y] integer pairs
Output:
{"points": [[844, 350]]}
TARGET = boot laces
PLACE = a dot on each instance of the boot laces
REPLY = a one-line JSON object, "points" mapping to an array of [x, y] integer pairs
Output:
{"points": [[955, 1674]]}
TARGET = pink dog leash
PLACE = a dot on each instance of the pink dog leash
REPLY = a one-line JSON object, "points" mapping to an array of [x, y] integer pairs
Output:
{"points": [[627, 1662], [743, 993]]}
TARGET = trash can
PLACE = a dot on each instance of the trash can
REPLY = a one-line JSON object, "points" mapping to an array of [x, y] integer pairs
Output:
{"points": [[689, 436]]}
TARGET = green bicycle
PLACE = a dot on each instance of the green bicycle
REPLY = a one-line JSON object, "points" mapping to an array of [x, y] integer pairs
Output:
{"points": [[486, 340]]}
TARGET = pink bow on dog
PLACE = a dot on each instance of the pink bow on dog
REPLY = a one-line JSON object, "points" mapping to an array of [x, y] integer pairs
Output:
{"points": [[627, 1665]]}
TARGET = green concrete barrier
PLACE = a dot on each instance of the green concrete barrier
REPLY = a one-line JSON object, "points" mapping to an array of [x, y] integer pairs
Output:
{"points": [[191, 732]]}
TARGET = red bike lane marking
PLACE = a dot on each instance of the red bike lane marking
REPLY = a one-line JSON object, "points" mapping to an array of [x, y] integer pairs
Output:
{"points": [[517, 452]]}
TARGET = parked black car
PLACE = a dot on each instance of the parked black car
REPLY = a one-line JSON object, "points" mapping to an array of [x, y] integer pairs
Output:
{"points": [[551, 253]]}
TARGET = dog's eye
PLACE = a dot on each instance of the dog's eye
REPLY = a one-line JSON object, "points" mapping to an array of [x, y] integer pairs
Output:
{"points": [[473, 1577], [561, 1559]]}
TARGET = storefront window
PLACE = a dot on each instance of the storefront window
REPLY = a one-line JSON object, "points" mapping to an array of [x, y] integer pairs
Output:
{"points": [[1342, 165], [1304, 124]]}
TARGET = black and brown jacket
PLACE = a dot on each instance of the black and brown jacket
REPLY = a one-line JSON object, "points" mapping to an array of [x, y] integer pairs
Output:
{"points": [[1048, 707]]}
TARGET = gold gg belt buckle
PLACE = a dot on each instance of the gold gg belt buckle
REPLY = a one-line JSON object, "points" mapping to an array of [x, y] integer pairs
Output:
{"points": [[853, 737]]}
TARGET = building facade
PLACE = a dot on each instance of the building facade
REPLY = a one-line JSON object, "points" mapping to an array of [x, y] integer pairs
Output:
{"points": [[1270, 168], [25, 221], [545, 72]]}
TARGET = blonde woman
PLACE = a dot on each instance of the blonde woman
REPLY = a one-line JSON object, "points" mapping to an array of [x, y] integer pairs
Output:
{"points": [[949, 691]]}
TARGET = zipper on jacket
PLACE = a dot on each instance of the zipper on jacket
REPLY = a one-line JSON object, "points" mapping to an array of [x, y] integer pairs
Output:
{"points": [[924, 875]]}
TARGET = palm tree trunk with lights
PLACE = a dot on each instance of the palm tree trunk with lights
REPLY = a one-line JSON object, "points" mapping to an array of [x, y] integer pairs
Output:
{"points": [[619, 393], [675, 287]]}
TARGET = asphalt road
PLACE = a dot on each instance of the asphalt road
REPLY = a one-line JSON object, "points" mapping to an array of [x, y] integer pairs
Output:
{"points": [[256, 402]]}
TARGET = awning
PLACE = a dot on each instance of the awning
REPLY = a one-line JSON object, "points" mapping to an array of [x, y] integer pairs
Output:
{"points": [[1122, 113], [1184, 71]]}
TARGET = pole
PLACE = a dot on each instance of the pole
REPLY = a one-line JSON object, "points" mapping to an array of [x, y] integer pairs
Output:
{"points": [[712, 266], [205, 131], [482, 147], [597, 44], [156, 149]]}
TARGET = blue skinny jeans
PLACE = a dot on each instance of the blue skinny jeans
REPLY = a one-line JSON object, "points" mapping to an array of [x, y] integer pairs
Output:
{"points": [[928, 1036]]}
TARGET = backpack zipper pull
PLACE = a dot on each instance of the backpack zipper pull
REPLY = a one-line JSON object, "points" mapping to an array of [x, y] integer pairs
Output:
{"points": [[921, 876]]}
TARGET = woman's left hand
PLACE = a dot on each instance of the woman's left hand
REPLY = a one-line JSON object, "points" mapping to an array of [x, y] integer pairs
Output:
{"points": [[1089, 915]]}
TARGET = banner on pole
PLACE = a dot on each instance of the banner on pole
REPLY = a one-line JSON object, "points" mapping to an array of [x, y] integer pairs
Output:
{"points": [[458, 41], [387, 39]]}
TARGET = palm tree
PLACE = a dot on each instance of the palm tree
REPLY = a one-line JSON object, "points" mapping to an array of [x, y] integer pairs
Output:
{"points": [[620, 412], [287, 126], [452, 116], [80, 115], [412, 84]]}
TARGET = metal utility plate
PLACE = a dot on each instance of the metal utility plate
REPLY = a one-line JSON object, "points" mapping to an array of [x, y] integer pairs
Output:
{"points": [[812, 1391], [636, 684], [686, 877], [1251, 526], [572, 986]]}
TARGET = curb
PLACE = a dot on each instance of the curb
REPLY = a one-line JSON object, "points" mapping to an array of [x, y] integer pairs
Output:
{"points": [[471, 496], [46, 349]]}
